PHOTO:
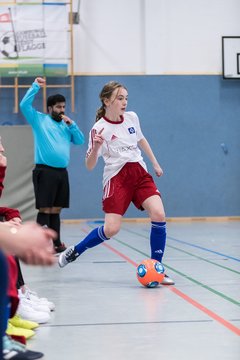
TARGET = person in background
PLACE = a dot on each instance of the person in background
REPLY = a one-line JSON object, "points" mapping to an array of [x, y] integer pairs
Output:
{"points": [[53, 133], [117, 137], [30, 306], [32, 244], [18, 240]]}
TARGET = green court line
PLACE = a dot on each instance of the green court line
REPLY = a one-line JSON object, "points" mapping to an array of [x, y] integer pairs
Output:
{"points": [[208, 261], [218, 293], [235, 302], [188, 253]]}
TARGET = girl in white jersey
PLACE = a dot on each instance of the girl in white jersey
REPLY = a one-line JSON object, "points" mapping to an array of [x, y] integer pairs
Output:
{"points": [[117, 137]]}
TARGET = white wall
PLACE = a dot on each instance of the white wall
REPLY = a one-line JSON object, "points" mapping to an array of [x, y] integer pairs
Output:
{"points": [[153, 36], [108, 39]]}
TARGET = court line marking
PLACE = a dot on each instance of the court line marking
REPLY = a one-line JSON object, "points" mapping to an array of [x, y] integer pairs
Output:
{"points": [[188, 253], [206, 260], [191, 301], [218, 293], [129, 323], [210, 313], [203, 248], [235, 302], [189, 244]]}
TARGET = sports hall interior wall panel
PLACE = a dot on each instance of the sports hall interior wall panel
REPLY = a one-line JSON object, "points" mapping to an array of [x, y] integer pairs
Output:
{"points": [[18, 188], [192, 123]]}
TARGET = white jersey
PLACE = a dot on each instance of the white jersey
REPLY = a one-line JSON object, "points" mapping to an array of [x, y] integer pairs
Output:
{"points": [[120, 144]]}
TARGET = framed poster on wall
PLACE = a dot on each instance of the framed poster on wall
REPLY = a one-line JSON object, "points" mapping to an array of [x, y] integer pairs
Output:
{"points": [[34, 39]]}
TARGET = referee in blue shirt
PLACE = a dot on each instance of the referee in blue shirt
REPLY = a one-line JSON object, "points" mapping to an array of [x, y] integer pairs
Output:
{"points": [[53, 134]]}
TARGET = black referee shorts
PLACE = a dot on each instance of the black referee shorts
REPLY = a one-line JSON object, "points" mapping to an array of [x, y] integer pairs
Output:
{"points": [[51, 186]]}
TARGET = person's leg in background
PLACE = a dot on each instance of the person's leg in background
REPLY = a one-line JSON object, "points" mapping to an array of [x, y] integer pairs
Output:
{"points": [[43, 218], [51, 187], [61, 201], [55, 224], [41, 199], [20, 280]]}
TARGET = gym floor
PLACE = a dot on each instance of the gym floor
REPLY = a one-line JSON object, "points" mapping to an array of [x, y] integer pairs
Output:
{"points": [[103, 312]]}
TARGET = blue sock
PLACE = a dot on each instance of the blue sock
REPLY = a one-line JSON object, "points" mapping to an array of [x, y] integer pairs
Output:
{"points": [[7, 313], [95, 237], [158, 240]]}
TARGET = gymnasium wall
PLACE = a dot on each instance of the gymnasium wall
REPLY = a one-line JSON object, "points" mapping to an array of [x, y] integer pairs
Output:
{"points": [[153, 36], [192, 123], [168, 55]]}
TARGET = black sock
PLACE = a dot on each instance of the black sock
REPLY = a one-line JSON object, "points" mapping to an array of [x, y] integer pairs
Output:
{"points": [[20, 280], [55, 225], [43, 219]]}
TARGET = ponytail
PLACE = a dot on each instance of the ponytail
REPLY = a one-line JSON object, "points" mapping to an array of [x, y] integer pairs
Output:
{"points": [[100, 113]]}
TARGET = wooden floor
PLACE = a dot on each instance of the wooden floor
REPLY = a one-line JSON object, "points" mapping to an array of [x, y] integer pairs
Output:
{"points": [[103, 313]]}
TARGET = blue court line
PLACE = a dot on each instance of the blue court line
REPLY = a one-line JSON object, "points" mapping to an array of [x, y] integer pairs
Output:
{"points": [[203, 248], [181, 242]]}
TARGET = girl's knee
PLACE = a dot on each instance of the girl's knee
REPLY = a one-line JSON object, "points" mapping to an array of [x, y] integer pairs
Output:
{"points": [[111, 230], [158, 216]]}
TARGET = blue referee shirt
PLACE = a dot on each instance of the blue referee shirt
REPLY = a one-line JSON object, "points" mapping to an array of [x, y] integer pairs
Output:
{"points": [[52, 139]]}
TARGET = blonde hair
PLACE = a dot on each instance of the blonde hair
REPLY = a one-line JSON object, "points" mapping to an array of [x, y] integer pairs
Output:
{"points": [[106, 93]]}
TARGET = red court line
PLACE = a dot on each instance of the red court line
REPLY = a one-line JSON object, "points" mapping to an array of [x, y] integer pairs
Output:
{"points": [[185, 297], [120, 254]]}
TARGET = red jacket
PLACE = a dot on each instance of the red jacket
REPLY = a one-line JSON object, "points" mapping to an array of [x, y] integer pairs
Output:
{"points": [[8, 214], [2, 176]]}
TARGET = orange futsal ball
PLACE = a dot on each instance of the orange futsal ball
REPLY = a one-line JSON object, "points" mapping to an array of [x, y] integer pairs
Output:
{"points": [[150, 273]]}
